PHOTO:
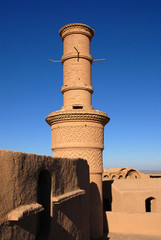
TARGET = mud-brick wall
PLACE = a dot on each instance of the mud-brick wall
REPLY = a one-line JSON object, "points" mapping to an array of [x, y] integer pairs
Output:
{"points": [[20, 177]]}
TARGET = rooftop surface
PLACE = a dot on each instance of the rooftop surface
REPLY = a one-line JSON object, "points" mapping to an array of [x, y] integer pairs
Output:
{"points": [[113, 236]]}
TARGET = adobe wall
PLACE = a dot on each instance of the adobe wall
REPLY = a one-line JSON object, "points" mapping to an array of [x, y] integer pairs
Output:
{"points": [[136, 223], [19, 177], [130, 195]]}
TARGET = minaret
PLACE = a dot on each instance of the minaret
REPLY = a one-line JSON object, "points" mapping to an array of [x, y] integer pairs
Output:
{"points": [[77, 129]]}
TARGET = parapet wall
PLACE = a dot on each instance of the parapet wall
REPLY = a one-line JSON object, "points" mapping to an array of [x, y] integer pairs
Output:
{"points": [[30, 183]]}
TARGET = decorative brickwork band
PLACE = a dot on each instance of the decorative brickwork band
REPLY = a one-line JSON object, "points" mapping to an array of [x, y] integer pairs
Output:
{"points": [[77, 136], [93, 156], [88, 88], [91, 116]]}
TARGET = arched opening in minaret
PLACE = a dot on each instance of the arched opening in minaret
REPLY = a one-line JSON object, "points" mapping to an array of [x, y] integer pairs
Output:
{"points": [[43, 198]]}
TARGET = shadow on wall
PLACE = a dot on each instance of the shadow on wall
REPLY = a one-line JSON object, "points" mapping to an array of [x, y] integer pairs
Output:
{"points": [[107, 202], [96, 214], [71, 218], [44, 198], [23, 229], [65, 223]]}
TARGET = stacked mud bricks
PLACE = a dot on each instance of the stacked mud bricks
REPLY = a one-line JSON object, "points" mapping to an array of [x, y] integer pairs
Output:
{"points": [[77, 129]]}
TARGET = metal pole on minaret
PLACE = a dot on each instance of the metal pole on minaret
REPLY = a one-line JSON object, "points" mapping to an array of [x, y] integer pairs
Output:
{"points": [[77, 129]]}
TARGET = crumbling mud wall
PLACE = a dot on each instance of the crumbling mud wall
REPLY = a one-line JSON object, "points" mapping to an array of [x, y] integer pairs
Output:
{"points": [[43, 197]]}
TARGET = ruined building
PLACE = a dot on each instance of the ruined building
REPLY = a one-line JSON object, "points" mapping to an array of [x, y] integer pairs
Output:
{"points": [[61, 197]]}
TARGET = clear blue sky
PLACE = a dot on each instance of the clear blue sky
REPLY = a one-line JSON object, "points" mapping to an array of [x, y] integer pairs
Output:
{"points": [[127, 86]]}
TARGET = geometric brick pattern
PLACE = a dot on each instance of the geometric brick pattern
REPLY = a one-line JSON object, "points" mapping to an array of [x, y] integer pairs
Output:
{"points": [[93, 156], [77, 134]]}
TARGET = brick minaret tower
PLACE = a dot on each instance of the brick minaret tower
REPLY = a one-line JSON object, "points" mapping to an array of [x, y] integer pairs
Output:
{"points": [[77, 129]]}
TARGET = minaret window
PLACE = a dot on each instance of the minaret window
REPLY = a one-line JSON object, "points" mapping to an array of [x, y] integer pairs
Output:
{"points": [[77, 107]]}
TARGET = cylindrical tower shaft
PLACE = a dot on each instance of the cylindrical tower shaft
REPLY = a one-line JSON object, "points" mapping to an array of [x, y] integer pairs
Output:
{"points": [[77, 62], [77, 129]]}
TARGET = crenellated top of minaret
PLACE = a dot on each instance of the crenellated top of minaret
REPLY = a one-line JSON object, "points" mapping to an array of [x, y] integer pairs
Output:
{"points": [[76, 28]]}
